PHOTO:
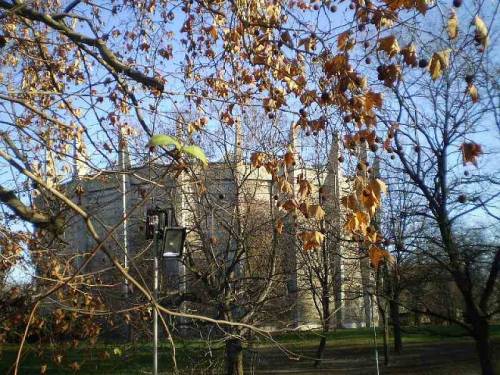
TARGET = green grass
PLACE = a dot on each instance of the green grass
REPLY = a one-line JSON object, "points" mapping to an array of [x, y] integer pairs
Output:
{"points": [[193, 355]]}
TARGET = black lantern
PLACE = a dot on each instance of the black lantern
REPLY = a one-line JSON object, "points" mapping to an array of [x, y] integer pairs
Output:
{"points": [[156, 220], [173, 242]]}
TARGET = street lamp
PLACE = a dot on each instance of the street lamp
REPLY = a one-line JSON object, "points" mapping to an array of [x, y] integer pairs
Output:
{"points": [[173, 242], [169, 242]]}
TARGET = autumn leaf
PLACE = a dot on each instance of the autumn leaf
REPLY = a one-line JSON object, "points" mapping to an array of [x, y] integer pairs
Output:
{"points": [[473, 93], [373, 100], [378, 186], [439, 62], [481, 36], [350, 201], [311, 239], [389, 45], [285, 186], [305, 189], [389, 74], [75, 366], [43, 369], [470, 152], [257, 159], [377, 255], [289, 158], [316, 212], [453, 25], [289, 205], [344, 41], [279, 226]]}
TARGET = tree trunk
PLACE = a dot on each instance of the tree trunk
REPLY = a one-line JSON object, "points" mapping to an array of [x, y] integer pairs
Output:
{"points": [[326, 326], [234, 357], [396, 324], [483, 346], [321, 351], [386, 338]]}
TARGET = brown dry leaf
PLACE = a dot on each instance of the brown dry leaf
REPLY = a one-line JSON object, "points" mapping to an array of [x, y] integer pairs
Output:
{"points": [[377, 255], [285, 186], [370, 201], [257, 159], [389, 45], [344, 41], [420, 5], [481, 31], [389, 74], [453, 25], [316, 212], [439, 62], [304, 208], [470, 152], [363, 221], [373, 100], [350, 201], [378, 186], [311, 240], [289, 205], [410, 55], [351, 224], [279, 226], [473, 93], [335, 65], [43, 369], [75, 366], [305, 189], [289, 158]]}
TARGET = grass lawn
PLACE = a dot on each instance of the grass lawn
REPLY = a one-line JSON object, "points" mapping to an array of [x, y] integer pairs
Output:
{"points": [[347, 348]]}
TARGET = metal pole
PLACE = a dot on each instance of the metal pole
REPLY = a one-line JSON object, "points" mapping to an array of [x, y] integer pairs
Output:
{"points": [[155, 311]]}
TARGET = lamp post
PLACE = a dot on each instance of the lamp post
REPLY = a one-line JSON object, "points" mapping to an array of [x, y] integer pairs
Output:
{"points": [[169, 243]]}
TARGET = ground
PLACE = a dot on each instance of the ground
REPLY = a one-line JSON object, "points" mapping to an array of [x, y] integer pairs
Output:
{"points": [[427, 350]]}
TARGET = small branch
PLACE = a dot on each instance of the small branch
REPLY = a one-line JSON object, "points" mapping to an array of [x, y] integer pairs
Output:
{"points": [[24, 337]]}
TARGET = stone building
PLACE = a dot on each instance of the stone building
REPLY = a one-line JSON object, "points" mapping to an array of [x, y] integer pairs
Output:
{"points": [[233, 254]]}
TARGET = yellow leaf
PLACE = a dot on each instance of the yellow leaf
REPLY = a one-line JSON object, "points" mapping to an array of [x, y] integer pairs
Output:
{"points": [[311, 240], [389, 45], [439, 62], [472, 91], [315, 211], [378, 186], [285, 186], [453, 25], [481, 32]]}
